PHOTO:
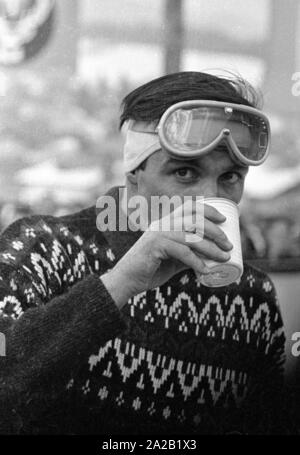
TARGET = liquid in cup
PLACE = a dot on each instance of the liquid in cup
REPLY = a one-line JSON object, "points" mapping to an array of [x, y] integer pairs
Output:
{"points": [[225, 273]]}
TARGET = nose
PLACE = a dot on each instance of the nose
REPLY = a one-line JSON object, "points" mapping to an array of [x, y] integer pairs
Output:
{"points": [[209, 188]]}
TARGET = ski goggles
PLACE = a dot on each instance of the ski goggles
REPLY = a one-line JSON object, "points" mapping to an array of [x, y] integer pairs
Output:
{"points": [[190, 129]]}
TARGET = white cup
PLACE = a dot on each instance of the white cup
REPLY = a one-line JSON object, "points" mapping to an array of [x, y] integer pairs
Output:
{"points": [[225, 273]]}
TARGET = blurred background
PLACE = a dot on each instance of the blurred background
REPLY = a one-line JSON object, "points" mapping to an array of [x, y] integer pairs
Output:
{"points": [[65, 66]]}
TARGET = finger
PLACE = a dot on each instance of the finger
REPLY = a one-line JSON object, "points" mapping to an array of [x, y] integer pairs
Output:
{"points": [[212, 214], [180, 223], [193, 205], [207, 230], [185, 255], [215, 233], [203, 229], [203, 226], [209, 250], [195, 213], [190, 208], [175, 206]]}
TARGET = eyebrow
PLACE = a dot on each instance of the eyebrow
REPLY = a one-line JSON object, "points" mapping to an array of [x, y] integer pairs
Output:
{"points": [[195, 163]]}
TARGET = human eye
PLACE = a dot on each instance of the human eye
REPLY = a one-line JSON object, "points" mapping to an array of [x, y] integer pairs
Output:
{"points": [[185, 173], [232, 178]]}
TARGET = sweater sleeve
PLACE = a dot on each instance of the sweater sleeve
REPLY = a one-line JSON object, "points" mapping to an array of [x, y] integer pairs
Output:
{"points": [[48, 321], [265, 410]]}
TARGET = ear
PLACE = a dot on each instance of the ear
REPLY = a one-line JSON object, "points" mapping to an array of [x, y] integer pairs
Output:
{"points": [[132, 177]]}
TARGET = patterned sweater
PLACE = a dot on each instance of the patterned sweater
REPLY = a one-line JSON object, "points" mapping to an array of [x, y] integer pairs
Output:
{"points": [[179, 359]]}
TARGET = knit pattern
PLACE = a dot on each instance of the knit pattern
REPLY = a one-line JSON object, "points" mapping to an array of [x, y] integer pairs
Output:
{"points": [[195, 348], [190, 358]]}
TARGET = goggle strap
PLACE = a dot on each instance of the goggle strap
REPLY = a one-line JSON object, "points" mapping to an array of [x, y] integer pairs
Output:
{"points": [[143, 127]]}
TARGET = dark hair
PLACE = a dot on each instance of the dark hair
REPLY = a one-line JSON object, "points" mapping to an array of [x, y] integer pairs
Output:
{"points": [[148, 102]]}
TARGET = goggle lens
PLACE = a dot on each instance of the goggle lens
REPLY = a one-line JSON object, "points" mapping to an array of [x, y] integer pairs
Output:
{"points": [[192, 129]]}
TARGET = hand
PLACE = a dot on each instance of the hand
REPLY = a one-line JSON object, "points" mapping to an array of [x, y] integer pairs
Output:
{"points": [[158, 255]]}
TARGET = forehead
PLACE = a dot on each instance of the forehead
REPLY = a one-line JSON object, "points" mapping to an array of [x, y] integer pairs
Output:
{"points": [[218, 160]]}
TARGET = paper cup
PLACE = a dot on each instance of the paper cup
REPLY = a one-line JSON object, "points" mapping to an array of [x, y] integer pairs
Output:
{"points": [[225, 273]]}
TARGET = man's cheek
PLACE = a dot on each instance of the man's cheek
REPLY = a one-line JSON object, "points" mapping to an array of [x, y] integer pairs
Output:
{"points": [[234, 194]]}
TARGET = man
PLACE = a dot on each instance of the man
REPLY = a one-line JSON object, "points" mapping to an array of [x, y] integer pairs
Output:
{"points": [[109, 331]]}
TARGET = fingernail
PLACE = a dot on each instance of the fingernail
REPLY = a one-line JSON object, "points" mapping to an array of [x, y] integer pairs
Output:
{"points": [[229, 244], [226, 256]]}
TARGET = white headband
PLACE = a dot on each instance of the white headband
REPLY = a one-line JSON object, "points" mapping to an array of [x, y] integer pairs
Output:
{"points": [[138, 146]]}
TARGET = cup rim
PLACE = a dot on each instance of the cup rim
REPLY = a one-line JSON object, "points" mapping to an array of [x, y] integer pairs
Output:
{"points": [[220, 199]]}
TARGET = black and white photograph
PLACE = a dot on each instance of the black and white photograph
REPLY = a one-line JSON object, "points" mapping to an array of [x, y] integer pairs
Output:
{"points": [[149, 220]]}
